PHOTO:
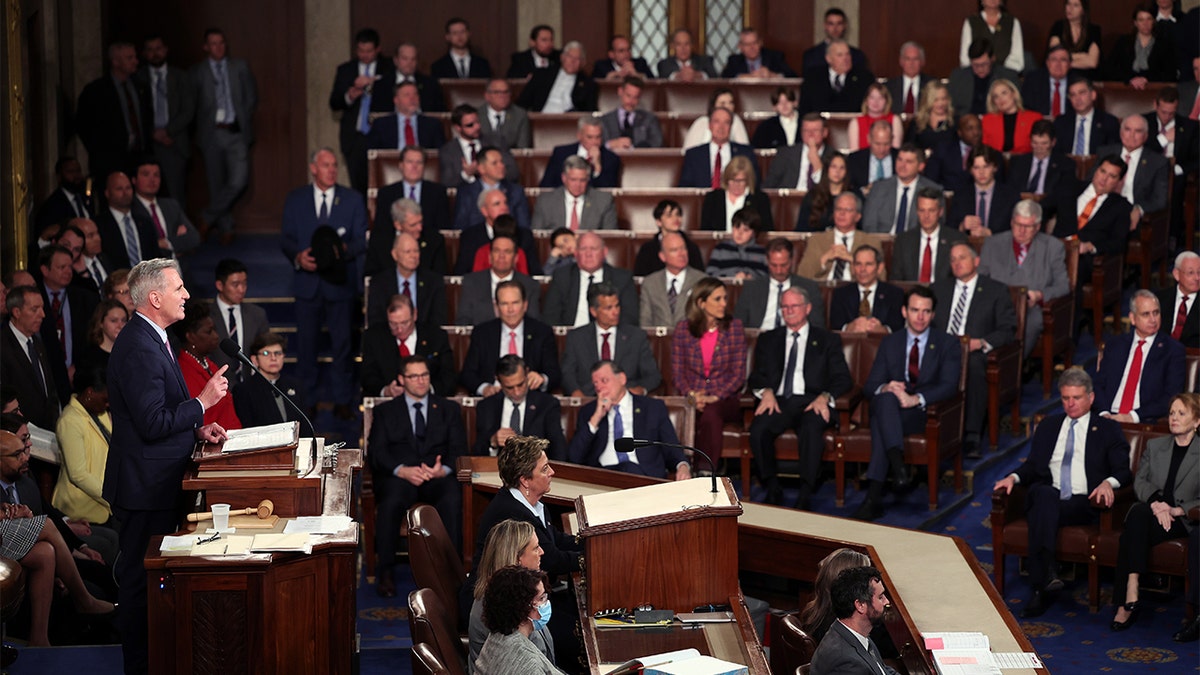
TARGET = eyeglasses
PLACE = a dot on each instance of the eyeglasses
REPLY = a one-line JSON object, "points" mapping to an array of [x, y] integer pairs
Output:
{"points": [[20, 453], [274, 354]]}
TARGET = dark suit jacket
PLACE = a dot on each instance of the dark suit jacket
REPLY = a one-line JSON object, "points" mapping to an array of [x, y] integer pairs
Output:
{"points": [[697, 169], [381, 98], [254, 402], [435, 213], [475, 237], [1106, 130], [1036, 95], [39, 407], [585, 95], [541, 416], [29, 495], [1161, 62], [908, 249], [1060, 170], [560, 552], [603, 67], [540, 354], [817, 94], [650, 422], [859, 166], [841, 652], [1001, 202], [814, 57], [381, 359], [646, 132], [630, 351], [941, 365], [669, 66], [736, 64], [450, 159], [945, 166], [751, 306], [57, 210], [393, 443], [1106, 454], [82, 305], [1187, 141], [467, 214], [894, 85], [101, 125], [885, 305], [1151, 180], [385, 133], [431, 297], [770, 134], [713, 210], [1108, 228], [432, 98], [1168, 300], [523, 65], [991, 316], [154, 422], [446, 69], [254, 323], [610, 168], [558, 307], [824, 366], [171, 215], [181, 104], [113, 243], [347, 214], [1162, 376]]}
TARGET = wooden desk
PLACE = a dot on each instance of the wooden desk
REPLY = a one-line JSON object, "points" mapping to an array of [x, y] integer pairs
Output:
{"points": [[267, 613], [934, 580]]}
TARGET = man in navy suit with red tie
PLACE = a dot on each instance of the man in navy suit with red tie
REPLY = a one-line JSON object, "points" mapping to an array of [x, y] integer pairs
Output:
{"points": [[703, 164], [1142, 369], [408, 126]]}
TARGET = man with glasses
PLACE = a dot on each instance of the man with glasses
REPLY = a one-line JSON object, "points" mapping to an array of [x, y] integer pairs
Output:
{"points": [[254, 400], [504, 124], [459, 157]]}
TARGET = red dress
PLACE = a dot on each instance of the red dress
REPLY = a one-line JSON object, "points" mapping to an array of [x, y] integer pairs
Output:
{"points": [[864, 123], [993, 131], [196, 377]]}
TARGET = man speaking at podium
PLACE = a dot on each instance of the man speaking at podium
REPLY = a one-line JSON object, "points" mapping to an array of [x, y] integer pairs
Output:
{"points": [[155, 425]]}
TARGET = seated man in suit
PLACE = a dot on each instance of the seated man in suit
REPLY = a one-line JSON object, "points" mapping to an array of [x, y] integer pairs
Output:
{"points": [[566, 301], [384, 345], [432, 214], [827, 256], [875, 162], [980, 308], [492, 175], [1075, 460], [703, 164], [175, 232], [619, 413], [405, 61], [906, 89], [685, 65], [948, 162], [516, 410], [68, 310], [665, 293], [475, 244], [858, 599], [800, 166], [868, 305], [254, 401], [986, 206], [758, 305], [458, 159], [1025, 256], [415, 443], [799, 370], [628, 126], [513, 331], [1174, 135], [1141, 369], [620, 62], [234, 317], [407, 126], [835, 25], [922, 254], [460, 61], [754, 60], [603, 165], [890, 206], [913, 368], [503, 124], [1146, 179], [609, 338], [575, 204], [1045, 89], [836, 85], [1098, 215], [969, 85], [540, 55], [564, 89], [1178, 301], [1042, 171], [1084, 129], [428, 289], [479, 288], [127, 237]]}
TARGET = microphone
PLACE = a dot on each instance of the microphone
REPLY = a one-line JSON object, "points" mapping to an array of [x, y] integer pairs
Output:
{"points": [[233, 351], [628, 445]]}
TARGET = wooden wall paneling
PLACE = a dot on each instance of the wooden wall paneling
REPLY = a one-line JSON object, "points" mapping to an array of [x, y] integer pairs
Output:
{"points": [[493, 27]]}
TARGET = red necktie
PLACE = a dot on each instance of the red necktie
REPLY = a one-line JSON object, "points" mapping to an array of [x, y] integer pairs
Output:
{"points": [[927, 263], [1180, 318], [910, 105], [1022, 251], [605, 350], [404, 353], [574, 213], [162, 234], [1056, 102], [512, 342], [410, 138], [1087, 213], [914, 363], [1195, 114], [1131, 380], [716, 174]]}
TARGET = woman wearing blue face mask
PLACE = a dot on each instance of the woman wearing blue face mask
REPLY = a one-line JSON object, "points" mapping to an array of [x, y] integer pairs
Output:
{"points": [[509, 542], [515, 605]]}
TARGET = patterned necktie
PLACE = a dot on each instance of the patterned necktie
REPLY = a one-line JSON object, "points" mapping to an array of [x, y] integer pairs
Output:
{"points": [[135, 125], [839, 268], [1087, 213], [412, 192], [514, 422], [864, 306], [97, 273], [512, 342], [1131, 380], [419, 424], [716, 173], [1080, 147], [1064, 475], [902, 213], [927, 261], [59, 324], [36, 363], [1180, 318], [1022, 251], [131, 241], [407, 290], [914, 362], [672, 296], [10, 494], [364, 105], [789, 373], [619, 432], [233, 327], [605, 349], [960, 311]]}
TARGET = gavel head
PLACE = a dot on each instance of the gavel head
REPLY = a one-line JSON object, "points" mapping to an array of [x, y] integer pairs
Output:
{"points": [[265, 508]]}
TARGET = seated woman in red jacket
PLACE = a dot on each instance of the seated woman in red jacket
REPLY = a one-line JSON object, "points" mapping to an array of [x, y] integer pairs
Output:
{"points": [[197, 335], [1007, 124]]}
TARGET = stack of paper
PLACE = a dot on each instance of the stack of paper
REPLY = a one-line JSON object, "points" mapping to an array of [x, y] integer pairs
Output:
{"points": [[318, 524], [275, 543]]}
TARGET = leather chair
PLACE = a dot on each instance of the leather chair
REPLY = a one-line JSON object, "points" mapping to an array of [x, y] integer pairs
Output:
{"points": [[367, 495], [429, 622], [436, 565], [1004, 368], [792, 647], [1058, 323], [1148, 245], [426, 661]]}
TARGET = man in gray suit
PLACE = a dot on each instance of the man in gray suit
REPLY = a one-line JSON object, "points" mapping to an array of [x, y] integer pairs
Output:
{"points": [[575, 204], [969, 85], [859, 600], [923, 253], [629, 126], [504, 125], [800, 166], [566, 302], [890, 206], [758, 305], [233, 317], [684, 64], [1145, 184], [170, 222], [173, 103], [459, 157], [475, 302], [226, 97], [609, 338], [665, 293], [1027, 257]]}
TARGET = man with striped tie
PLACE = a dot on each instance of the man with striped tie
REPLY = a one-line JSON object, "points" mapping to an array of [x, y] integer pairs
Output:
{"points": [[127, 237]]}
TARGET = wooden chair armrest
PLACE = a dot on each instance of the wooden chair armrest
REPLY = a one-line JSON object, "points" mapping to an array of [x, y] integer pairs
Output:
{"points": [[1059, 311], [1004, 358], [1194, 514], [845, 405]]}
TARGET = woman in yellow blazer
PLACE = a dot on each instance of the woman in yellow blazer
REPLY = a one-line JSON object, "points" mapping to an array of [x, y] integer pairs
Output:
{"points": [[84, 429]]}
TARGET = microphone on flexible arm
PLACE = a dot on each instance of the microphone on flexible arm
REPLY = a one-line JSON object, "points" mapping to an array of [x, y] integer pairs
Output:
{"points": [[233, 351], [628, 445]]}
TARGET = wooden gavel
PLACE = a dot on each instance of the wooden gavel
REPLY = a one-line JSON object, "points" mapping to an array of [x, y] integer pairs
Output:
{"points": [[264, 510]]}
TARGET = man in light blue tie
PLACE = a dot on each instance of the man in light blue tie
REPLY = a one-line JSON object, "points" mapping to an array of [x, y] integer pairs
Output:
{"points": [[1075, 463], [173, 102], [127, 238]]}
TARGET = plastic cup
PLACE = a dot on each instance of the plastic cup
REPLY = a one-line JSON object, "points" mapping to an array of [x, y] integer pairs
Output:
{"points": [[220, 517]]}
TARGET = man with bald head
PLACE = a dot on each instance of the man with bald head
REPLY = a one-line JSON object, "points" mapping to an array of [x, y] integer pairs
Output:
{"points": [[127, 237], [665, 293], [97, 263], [836, 85], [426, 289], [114, 114], [877, 161], [567, 299], [1145, 184], [948, 162]]}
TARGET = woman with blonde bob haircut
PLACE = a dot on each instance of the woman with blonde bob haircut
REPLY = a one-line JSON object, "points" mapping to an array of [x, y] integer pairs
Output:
{"points": [[510, 542]]}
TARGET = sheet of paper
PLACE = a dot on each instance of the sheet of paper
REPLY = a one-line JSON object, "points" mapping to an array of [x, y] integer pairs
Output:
{"points": [[965, 662], [181, 543], [317, 524], [1017, 660], [956, 640], [282, 542], [225, 546]]}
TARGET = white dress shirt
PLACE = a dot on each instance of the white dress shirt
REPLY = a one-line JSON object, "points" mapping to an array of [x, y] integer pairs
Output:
{"points": [[961, 287], [120, 218], [732, 207], [802, 179], [1125, 383], [1135, 157], [798, 374], [318, 193], [772, 309], [582, 316], [559, 100], [612, 340], [609, 456], [224, 308]]}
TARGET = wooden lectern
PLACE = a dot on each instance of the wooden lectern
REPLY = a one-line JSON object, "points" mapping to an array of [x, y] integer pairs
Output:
{"points": [[670, 545]]}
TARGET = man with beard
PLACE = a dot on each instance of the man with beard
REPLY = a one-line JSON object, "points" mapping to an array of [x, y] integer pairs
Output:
{"points": [[859, 600], [172, 105]]}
